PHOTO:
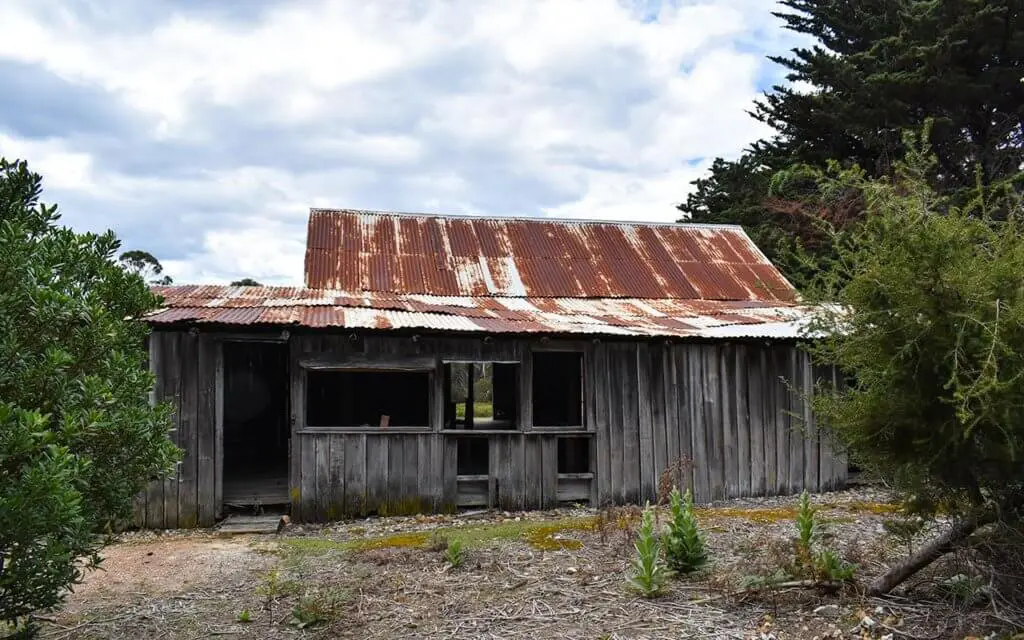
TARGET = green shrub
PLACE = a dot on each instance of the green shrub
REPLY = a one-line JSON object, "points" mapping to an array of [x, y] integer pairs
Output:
{"points": [[685, 550], [79, 437], [648, 570], [455, 554]]}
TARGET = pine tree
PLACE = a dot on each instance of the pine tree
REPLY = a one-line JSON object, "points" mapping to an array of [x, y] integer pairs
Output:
{"points": [[876, 69]]}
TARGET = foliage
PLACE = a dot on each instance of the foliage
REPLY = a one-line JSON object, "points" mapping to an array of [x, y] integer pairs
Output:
{"points": [[806, 530], [685, 550], [929, 326], [145, 265], [455, 554], [649, 572], [244, 616], [246, 282], [78, 435], [871, 71], [829, 566]]}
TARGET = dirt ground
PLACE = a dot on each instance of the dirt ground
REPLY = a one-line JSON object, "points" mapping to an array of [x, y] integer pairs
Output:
{"points": [[537, 575]]}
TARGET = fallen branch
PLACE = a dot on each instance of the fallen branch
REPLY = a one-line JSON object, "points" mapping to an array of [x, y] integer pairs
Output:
{"points": [[929, 553]]}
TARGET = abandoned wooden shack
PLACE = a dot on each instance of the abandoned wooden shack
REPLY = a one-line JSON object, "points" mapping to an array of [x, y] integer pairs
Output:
{"points": [[437, 362]]}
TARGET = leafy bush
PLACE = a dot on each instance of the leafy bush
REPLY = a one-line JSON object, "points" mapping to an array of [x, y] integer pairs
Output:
{"points": [[78, 435], [649, 571], [685, 550]]}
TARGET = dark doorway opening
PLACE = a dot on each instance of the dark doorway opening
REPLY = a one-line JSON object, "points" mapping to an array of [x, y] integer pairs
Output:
{"points": [[256, 423]]}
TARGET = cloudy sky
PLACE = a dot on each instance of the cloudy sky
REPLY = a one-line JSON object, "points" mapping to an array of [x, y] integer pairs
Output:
{"points": [[202, 131]]}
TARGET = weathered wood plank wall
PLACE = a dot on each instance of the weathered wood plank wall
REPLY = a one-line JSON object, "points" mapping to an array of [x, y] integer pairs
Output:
{"points": [[725, 419]]}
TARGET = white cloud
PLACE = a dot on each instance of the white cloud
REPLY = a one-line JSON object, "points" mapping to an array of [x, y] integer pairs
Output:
{"points": [[579, 108]]}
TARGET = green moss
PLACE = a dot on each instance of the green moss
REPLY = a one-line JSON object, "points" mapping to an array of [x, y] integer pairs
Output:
{"points": [[407, 507]]}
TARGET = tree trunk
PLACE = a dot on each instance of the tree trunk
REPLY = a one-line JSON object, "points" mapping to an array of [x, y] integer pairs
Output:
{"points": [[948, 541]]}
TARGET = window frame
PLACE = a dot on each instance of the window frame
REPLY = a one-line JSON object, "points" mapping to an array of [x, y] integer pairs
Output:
{"points": [[416, 365], [583, 353], [518, 423]]}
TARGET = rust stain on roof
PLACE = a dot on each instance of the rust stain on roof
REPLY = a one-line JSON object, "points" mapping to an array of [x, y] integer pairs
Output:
{"points": [[364, 251], [320, 308]]}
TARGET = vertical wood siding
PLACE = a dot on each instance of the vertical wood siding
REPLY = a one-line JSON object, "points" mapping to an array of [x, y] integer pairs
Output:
{"points": [[723, 419]]}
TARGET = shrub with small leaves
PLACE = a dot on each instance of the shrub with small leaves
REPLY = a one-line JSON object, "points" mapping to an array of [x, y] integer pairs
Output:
{"points": [[455, 554], [685, 550], [649, 571]]}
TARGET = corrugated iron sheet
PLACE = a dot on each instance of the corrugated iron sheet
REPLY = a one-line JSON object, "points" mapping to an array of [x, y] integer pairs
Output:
{"points": [[318, 308], [364, 251]]}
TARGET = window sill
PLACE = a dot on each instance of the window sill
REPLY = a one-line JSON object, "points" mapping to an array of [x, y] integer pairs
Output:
{"points": [[380, 431]]}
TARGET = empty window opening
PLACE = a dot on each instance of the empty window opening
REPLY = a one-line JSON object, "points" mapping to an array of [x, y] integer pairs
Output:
{"points": [[256, 423], [574, 455], [473, 456], [481, 395], [361, 398], [557, 389]]}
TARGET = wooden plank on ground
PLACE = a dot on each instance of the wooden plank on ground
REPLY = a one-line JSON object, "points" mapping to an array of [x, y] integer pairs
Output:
{"points": [[645, 422]]}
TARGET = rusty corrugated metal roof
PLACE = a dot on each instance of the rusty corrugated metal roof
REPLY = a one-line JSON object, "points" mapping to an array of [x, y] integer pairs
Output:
{"points": [[319, 308], [367, 251]]}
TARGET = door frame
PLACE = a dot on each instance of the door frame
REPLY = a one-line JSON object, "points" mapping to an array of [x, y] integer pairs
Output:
{"points": [[281, 337]]}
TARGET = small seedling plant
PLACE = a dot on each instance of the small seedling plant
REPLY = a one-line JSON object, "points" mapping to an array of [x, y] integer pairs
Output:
{"points": [[685, 550], [649, 572], [455, 554]]}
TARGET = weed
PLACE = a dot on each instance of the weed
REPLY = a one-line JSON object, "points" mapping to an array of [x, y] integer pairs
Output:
{"points": [[832, 568], [438, 542], [672, 477], [649, 571], [318, 606], [685, 550], [244, 616], [455, 554], [806, 530]]}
